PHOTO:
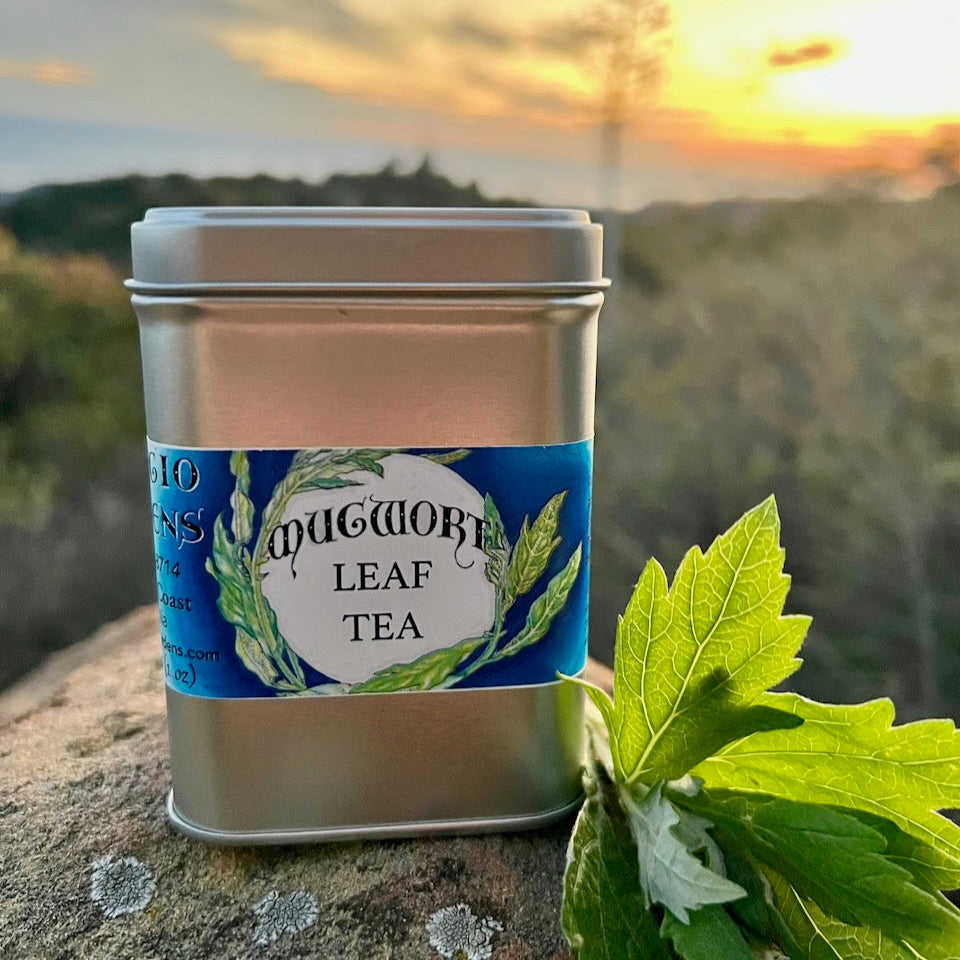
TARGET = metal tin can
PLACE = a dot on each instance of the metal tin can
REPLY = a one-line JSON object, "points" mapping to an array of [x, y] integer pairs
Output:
{"points": [[370, 459]]}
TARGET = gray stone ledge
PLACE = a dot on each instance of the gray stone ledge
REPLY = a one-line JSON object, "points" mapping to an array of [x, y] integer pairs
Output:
{"points": [[83, 776]]}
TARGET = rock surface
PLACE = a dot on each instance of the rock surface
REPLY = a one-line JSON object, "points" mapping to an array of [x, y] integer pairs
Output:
{"points": [[84, 836]]}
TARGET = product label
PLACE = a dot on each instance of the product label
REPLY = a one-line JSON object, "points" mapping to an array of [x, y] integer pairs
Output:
{"points": [[346, 571]]}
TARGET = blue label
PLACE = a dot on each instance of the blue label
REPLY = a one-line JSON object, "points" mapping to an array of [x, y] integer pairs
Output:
{"points": [[346, 571]]}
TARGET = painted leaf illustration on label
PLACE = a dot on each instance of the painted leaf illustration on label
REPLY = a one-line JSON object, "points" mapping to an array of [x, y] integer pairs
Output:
{"points": [[383, 571]]}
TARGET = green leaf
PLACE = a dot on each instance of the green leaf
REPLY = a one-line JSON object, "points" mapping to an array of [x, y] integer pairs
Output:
{"points": [[325, 483], [689, 659], [424, 673], [240, 468], [805, 932], [369, 463], [445, 459], [259, 643], [604, 916], [691, 831], [231, 601], [913, 854], [535, 546], [604, 747], [235, 600], [310, 457], [669, 873], [751, 911], [598, 739], [710, 935], [827, 823], [254, 659], [309, 470], [838, 862], [369, 454], [243, 513], [339, 461], [224, 565], [545, 608], [732, 723], [496, 547], [276, 642], [853, 757], [321, 690]]}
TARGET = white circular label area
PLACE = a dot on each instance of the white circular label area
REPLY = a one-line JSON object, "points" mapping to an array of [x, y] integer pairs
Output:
{"points": [[382, 572]]}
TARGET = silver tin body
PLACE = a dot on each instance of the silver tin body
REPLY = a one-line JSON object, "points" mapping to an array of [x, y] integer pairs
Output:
{"points": [[239, 362]]}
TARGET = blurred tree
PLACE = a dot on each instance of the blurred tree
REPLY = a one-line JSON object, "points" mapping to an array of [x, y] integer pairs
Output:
{"points": [[806, 348], [943, 157], [69, 375], [74, 512], [628, 45], [888, 443]]}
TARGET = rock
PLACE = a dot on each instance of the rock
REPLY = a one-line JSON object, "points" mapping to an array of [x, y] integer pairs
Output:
{"points": [[90, 868]]}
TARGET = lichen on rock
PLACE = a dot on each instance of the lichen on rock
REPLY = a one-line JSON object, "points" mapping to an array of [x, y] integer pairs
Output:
{"points": [[121, 886], [456, 933], [278, 915]]}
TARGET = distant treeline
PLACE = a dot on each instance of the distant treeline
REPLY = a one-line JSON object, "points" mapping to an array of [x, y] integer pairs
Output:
{"points": [[95, 217], [807, 348]]}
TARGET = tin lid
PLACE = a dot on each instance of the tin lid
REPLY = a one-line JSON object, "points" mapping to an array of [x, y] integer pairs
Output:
{"points": [[194, 250]]}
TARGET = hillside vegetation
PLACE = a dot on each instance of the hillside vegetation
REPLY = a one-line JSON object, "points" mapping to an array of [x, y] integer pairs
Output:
{"points": [[807, 348], [95, 217], [811, 349]]}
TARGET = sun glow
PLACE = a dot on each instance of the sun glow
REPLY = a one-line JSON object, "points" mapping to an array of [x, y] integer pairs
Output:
{"points": [[883, 65]]}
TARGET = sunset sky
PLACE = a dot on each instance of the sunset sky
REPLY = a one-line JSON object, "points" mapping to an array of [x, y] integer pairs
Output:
{"points": [[758, 96]]}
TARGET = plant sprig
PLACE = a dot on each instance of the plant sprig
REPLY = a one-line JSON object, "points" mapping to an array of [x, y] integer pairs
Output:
{"points": [[728, 822]]}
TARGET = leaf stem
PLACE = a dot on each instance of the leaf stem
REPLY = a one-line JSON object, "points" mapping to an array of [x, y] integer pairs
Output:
{"points": [[286, 664], [487, 655]]}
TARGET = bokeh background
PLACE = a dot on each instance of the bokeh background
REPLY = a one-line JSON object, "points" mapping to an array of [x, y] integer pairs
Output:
{"points": [[780, 186]]}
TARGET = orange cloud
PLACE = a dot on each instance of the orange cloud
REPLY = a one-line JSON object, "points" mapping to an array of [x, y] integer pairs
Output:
{"points": [[46, 72], [462, 79], [813, 52]]}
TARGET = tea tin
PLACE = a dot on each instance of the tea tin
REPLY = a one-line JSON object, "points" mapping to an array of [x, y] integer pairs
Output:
{"points": [[370, 455]]}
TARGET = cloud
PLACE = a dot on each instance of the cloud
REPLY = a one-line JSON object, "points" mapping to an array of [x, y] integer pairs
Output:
{"points": [[472, 31], [570, 36], [443, 67], [46, 72], [338, 22], [341, 23], [810, 53]]}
